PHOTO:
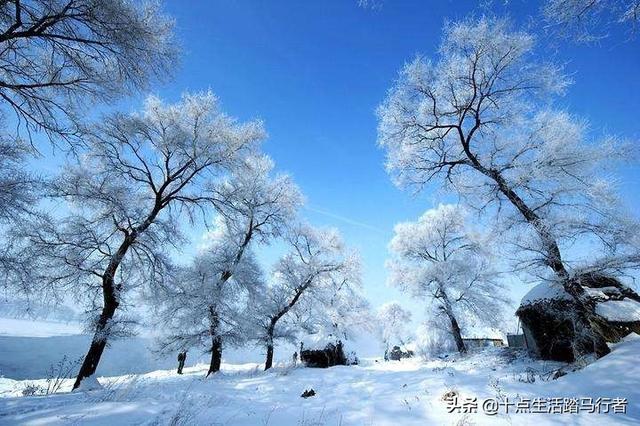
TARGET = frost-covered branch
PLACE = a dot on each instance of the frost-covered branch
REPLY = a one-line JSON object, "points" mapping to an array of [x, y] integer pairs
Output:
{"points": [[590, 20], [58, 56]]}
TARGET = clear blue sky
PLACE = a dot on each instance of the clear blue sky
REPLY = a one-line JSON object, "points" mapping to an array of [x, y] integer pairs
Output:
{"points": [[315, 71]]}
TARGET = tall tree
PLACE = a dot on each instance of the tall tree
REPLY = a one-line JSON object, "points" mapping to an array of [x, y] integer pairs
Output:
{"points": [[126, 199], [440, 259], [254, 207], [316, 271], [478, 120]]}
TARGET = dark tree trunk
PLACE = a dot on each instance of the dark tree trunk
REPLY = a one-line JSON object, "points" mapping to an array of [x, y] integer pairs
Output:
{"points": [[448, 310], [101, 335], [216, 355], [216, 342], [214, 318], [457, 335], [269, 361], [99, 342], [274, 320], [553, 257], [110, 296]]}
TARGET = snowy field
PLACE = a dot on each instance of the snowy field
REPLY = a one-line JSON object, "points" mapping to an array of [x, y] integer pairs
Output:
{"points": [[410, 392]]}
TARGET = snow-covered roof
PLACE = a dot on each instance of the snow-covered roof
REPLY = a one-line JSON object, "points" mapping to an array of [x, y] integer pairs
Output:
{"points": [[625, 310], [546, 290]]}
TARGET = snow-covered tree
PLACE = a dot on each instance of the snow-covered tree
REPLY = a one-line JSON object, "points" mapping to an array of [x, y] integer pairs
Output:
{"points": [[343, 312], [254, 207], [440, 259], [433, 339], [18, 196], [308, 284], [197, 308], [347, 312], [478, 120], [393, 322], [589, 20], [57, 56], [126, 198]]}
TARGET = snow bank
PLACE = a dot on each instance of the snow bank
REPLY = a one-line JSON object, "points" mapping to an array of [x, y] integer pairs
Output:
{"points": [[381, 393], [89, 384], [626, 310]]}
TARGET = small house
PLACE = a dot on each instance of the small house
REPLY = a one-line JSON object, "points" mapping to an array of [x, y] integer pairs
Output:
{"points": [[477, 337], [554, 328]]}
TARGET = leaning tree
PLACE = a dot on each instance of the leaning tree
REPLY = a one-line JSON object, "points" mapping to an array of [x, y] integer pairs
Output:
{"points": [[307, 282], [478, 119], [440, 259], [126, 197]]}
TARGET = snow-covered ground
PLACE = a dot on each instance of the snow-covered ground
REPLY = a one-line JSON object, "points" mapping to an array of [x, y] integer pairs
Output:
{"points": [[375, 393]]}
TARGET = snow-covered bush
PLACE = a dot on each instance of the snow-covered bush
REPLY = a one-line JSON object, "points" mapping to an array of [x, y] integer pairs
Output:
{"points": [[32, 389], [432, 342], [60, 372], [392, 321]]}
